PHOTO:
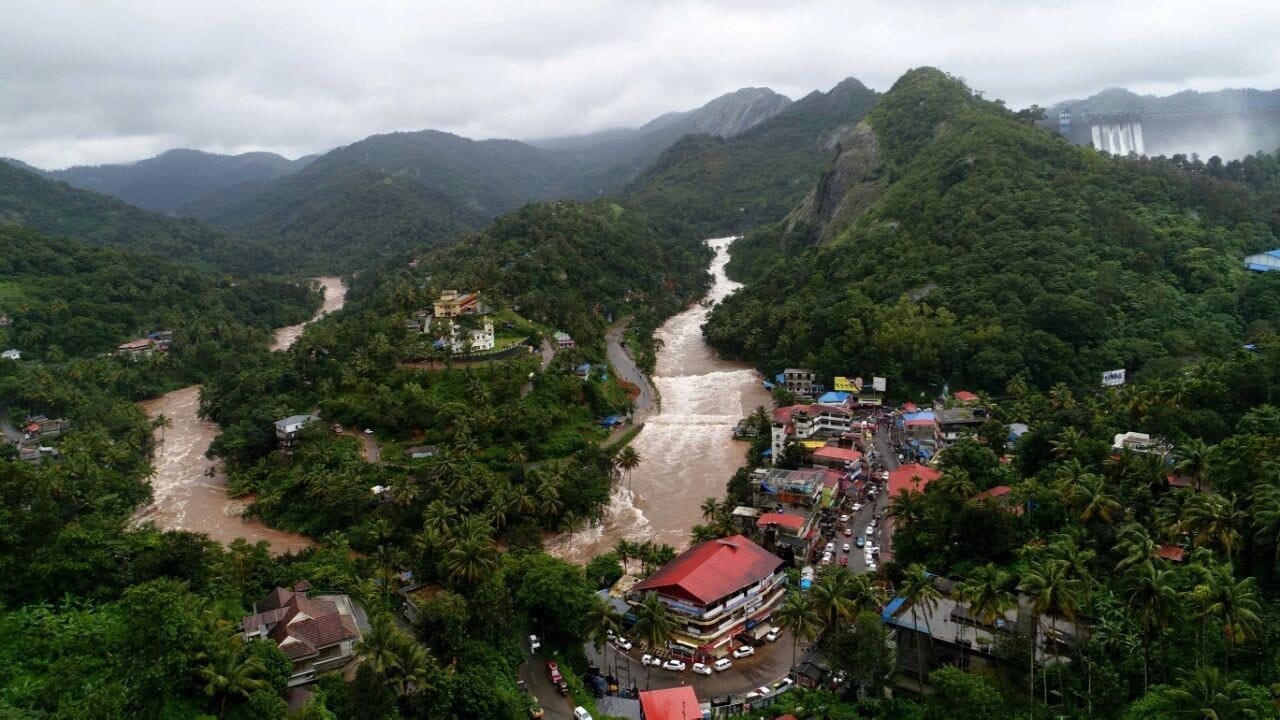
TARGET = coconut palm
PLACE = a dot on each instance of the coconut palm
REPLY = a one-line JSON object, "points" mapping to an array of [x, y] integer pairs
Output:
{"points": [[227, 672], [627, 460], [380, 646], [921, 595], [654, 623], [831, 598], [798, 616], [414, 668], [906, 507], [1054, 593], [1231, 605], [1206, 693], [600, 621], [439, 516], [1069, 444], [1089, 496], [1193, 461], [1214, 519], [472, 554], [1134, 546], [1151, 600], [986, 592]]}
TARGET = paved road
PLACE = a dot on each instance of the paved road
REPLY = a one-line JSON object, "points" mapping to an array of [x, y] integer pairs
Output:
{"points": [[548, 353], [626, 369], [771, 663], [554, 705]]}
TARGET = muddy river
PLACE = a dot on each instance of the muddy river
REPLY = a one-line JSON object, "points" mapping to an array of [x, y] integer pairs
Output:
{"points": [[687, 450], [190, 490]]}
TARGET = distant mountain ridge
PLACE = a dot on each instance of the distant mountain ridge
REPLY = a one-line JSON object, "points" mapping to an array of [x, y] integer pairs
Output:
{"points": [[1117, 99], [170, 180]]}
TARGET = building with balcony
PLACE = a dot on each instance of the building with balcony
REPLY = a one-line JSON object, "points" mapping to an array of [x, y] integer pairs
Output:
{"points": [[716, 589], [317, 634], [453, 303], [806, 422]]}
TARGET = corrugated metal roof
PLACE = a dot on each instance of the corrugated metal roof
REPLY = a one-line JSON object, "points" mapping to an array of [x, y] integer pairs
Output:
{"points": [[712, 570]]}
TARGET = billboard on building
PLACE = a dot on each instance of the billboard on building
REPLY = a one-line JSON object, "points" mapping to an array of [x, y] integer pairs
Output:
{"points": [[878, 384], [1112, 378], [844, 384]]}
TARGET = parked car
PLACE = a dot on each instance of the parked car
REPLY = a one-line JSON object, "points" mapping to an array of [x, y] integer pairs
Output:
{"points": [[580, 713], [759, 692], [872, 567], [653, 660], [722, 664], [860, 542], [783, 684], [553, 671], [848, 532], [622, 643], [845, 548], [745, 651], [831, 547], [871, 529], [857, 507], [368, 431], [844, 518], [534, 644], [772, 635], [701, 669], [675, 665]]}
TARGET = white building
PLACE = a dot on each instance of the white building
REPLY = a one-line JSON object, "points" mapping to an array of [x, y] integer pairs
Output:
{"points": [[1263, 262], [802, 422], [477, 340], [11, 354]]}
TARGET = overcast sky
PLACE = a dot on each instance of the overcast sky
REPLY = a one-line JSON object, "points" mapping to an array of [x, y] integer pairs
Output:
{"points": [[95, 81]]}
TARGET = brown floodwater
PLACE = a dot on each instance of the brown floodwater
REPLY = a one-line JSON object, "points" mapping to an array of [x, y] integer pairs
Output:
{"points": [[335, 294], [190, 490], [687, 451]]}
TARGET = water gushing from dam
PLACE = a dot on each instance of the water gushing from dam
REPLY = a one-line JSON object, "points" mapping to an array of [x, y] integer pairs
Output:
{"points": [[1118, 138]]}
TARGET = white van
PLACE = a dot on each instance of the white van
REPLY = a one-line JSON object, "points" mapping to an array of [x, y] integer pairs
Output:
{"points": [[580, 713], [722, 664]]}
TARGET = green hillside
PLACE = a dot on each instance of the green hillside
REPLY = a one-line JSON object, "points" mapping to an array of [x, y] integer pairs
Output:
{"points": [[992, 248]]}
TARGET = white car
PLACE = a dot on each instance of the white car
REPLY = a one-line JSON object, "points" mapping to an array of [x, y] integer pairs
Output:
{"points": [[622, 643], [759, 692], [701, 669], [675, 665], [844, 518], [846, 547], [650, 660], [826, 558], [745, 651], [772, 635], [857, 507], [783, 684], [831, 547], [722, 664], [580, 713], [368, 431], [534, 643], [871, 529], [871, 566]]}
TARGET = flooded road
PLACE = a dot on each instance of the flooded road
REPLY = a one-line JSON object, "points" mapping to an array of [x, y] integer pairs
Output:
{"points": [[190, 491], [687, 450], [335, 294]]}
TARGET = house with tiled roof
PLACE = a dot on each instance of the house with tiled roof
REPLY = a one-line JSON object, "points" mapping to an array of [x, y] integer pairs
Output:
{"points": [[317, 634], [716, 589]]}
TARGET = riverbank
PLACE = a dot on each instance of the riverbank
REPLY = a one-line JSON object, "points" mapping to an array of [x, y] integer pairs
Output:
{"points": [[686, 447], [335, 296]]}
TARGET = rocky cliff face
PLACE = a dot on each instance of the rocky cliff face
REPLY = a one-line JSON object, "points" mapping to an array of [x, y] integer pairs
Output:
{"points": [[848, 186], [737, 111]]}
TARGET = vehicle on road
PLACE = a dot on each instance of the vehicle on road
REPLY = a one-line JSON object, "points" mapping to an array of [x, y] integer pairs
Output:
{"points": [[783, 684], [580, 713], [701, 669], [848, 532], [535, 710], [759, 692], [870, 529], [831, 547], [653, 660], [534, 643], [844, 561], [844, 518], [857, 507], [872, 567], [722, 664], [675, 665], [745, 651], [553, 671], [622, 643], [826, 558], [772, 635], [845, 548], [860, 542], [368, 431]]}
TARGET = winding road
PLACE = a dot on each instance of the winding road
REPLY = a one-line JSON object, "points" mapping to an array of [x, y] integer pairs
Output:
{"points": [[626, 369]]}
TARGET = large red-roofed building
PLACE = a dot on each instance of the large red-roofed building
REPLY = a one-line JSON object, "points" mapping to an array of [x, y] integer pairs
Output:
{"points": [[911, 477], [839, 458], [716, 589], [677, 703]]}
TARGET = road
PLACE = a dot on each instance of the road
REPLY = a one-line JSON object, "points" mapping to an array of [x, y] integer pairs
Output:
{"points": [[554, 705], [548, 353], [626, 369], [771, 663]]}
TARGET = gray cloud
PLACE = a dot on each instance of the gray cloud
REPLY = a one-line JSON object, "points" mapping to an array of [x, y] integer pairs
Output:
{"points": [[117, 81]]}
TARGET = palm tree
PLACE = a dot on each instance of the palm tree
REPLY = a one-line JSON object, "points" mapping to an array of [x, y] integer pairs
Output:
{"points": [[1134, 546], [920, 593], [1069, 444], [987, 593], [599, 622], [654, 623], [1214, 519], [627, 460], [625, 550], [798, 616], [1207, 693], [414, 668], [1233, 606], [956, 484], [472, 555], [906, 507], [516, 454], [389, 561], [227, 672], [831, 598], [1193, 461], [380, 645], [1089, 496], [1054, 593], [439, 517], [709, 508], [1151, 599], [1264, 508]]}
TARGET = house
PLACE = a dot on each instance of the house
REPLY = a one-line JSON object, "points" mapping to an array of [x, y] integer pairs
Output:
{"points": [[812, 669], [716, 589], [163, 339], [11, 354], [1140, 443], [1000, 495], [421, 452], [139, 349], [805, 488], [804, 422], [316, 633], [745, 517], [788, 530], [965, 397], [474, 340], [946, 632], [956, 422], [564, 341], [838, 458], [1263, 262], [288, 428], [1172, 553], [39, 425], [453, 303], [912, 477], [799, 381], [583, 371], [677, 703], [836, 398]]}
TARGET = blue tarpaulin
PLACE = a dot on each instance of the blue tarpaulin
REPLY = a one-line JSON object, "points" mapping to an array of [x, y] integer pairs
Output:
{"points": [[780, 378], [611, 421], [834, 398]]}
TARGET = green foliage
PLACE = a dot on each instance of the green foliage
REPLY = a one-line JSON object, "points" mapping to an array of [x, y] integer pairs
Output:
{"points": [[959, 695]]}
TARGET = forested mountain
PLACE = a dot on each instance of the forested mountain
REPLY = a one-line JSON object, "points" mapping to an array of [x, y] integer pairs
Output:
{"points": [[64, 298], [1187, 101], [170, 181], [719, 185], [336, 215], [55, 208], [975, 246]]}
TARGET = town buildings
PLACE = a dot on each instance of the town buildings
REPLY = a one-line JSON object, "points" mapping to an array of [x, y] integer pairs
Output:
{"points": [[805, 422], [716, 589], [317, 634], [453, 303], [799, 381], [139, 349], [956, 422]]}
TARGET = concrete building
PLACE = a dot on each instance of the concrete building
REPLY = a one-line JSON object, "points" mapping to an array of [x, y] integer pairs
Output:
{"points": [[716, 589], [564, 341], [799, 381], [805, 422], [956, 422], [287, 429], [453, 303], [475, 340]]}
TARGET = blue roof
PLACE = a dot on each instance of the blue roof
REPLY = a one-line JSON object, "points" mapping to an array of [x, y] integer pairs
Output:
{"points": [[780, 378], [1259, 268], [768, 452], [833, 398], [611, 420], [887, 614], [584, 367], [1273, 253]]}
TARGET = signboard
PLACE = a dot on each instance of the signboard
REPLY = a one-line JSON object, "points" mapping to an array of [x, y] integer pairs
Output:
{"points": [[878, 384], [844, 384], [1112, 378]]}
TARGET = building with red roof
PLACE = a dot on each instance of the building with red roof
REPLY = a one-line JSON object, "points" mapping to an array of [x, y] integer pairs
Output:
{"points": [[965, 396], [1172, 553], [716, 589], [316, 634], [793, 523], [802, 422], [911, 477], [677, 703], [999, 494], [838, 458]]}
